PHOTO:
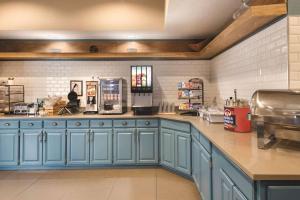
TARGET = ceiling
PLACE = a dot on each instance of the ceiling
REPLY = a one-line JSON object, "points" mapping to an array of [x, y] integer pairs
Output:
{"points": [[114, 19]]}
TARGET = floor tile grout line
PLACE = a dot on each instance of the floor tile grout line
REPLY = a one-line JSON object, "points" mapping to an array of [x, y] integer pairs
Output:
{"points": [[26, 188], [112, 187]]}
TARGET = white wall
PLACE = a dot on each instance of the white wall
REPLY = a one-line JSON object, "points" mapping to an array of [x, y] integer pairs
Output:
{"points": [[294, 52], [42, 78], [259, 62]]}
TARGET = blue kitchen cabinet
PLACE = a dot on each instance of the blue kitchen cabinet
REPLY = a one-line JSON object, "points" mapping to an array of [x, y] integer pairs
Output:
{"points": [[226, 186], [196, 153], [205, 174], [101, 146], [54, 147], [78, 147], [237, 194], [9, 141], [167, 147], [229, 182], [183, 152], [278, 190], [31, 147], [147, 145], [124, 146], [201, 169]]}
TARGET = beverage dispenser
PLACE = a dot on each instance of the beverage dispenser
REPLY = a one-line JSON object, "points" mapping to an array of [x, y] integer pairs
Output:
{"points": [[91, 97], [141, 89]]}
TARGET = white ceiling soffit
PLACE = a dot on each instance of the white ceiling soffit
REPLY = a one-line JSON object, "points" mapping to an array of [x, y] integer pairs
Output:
{"points": [[199, 18], [113, 19]]}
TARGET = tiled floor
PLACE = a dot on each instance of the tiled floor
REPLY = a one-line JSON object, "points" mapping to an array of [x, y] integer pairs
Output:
{"points": [[98, 184]]}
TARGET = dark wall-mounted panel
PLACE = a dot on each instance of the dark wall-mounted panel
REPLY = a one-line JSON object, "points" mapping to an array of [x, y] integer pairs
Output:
{"points": [[294, 7]]}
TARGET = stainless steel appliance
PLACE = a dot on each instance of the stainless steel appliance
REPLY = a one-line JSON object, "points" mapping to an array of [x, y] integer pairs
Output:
{"points": [[113, 96], [141, 89], [9, 96], [91, 97], [276, 114]]}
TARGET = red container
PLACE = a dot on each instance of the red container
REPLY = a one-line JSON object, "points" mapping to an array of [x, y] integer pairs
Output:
{"points": [[237, 119]]}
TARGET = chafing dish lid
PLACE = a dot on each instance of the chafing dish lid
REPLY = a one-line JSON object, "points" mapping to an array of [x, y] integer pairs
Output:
{"points": [[276, 103]]}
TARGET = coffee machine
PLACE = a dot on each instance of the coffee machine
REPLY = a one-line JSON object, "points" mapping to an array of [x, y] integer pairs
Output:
{"points": [[141, 89], [91, 97]]}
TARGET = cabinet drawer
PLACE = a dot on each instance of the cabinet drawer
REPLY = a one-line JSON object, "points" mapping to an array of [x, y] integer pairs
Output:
{"points": [[180, 126], [124, 123], [31, 124], [78, 123], [54, 124], [8, 124], [101, 123], [147, 123]]}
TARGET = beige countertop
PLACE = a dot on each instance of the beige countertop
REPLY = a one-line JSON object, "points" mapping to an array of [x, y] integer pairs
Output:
{"points": [[240, 148]]}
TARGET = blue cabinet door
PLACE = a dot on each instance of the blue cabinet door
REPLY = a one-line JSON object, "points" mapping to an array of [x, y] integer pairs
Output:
{"points": [[183, 152], [226, 186], [124, 146], [237, 194], [196, 151], [101, 146], [147, 149], [205, 171], [31, 147], [9, 141], [78, 147], [54, 148], [167, 147], [279, 192]]}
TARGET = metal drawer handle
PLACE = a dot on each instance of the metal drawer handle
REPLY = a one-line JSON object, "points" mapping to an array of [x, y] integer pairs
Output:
{"points": [[92, 136], [101, 123], [147, 123], [41, 136], [78, 124], [46, 136], [124, 123], [7, 124], [30, 124], [54, 123]]}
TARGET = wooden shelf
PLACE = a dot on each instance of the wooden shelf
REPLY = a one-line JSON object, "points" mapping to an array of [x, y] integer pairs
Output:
{"points": [[100, 56], [248, 23]]}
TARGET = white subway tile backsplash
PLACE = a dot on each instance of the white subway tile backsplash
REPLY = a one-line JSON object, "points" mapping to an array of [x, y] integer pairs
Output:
{"points": [[294, 52], [43, 78], [259, 62]]}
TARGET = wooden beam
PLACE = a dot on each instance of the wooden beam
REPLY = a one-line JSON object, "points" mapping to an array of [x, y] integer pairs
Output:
{"points": [[266, 2], [104, 46], [100, 56], [249, 22]]}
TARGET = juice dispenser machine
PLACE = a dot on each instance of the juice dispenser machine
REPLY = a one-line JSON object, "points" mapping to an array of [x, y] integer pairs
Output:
{"points": [[113, 96], [141, 89]]}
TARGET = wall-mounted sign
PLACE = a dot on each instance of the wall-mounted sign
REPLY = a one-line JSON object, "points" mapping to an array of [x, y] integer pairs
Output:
{"points": [[77, 86]]}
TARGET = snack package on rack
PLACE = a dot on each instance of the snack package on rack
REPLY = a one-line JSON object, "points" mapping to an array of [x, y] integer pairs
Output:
{"points": [[195, 93], [184, 106]]}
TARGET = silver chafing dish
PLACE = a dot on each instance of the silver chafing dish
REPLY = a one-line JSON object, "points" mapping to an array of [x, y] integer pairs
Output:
{"points": [[276, 114]]}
